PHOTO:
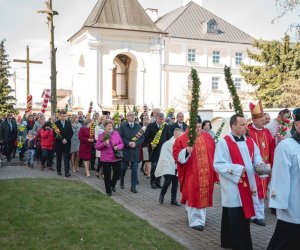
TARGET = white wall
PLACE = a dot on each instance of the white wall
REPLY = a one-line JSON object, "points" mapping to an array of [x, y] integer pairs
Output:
{"points": [[99, 48], [178, 68]]}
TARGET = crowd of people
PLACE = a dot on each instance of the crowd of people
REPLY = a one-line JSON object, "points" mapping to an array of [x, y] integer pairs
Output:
{"points": [[160, 145]]}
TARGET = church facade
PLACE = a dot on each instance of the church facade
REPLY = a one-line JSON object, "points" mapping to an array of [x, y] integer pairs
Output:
{"points": [[124, 54]]}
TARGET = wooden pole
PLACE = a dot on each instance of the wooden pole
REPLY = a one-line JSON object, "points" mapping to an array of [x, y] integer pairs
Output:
{"points": [[50, 13]]}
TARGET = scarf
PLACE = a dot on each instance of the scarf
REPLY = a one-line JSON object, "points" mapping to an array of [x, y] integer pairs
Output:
{"points": [[157, 137]]}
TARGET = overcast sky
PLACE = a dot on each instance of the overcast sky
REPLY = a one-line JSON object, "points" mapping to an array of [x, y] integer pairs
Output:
{"points": [[20, 25]]}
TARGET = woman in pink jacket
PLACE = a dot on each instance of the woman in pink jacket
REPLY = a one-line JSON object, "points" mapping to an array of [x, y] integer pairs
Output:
{"points": [[107, 142]]}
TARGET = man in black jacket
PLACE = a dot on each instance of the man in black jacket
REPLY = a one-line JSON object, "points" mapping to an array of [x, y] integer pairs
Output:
{"points": [[132, 139], [179, 123], [62, 145], [8, 135], [156, 134]]}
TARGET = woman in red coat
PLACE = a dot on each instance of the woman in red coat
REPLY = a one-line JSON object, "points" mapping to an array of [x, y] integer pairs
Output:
{"points": [[86, 137]]}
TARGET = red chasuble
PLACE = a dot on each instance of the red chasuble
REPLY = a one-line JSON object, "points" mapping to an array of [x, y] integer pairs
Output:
{"points": [[197, 175], [243, 186], [266, 144]]}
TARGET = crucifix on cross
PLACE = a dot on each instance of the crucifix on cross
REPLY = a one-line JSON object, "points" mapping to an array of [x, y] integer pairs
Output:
{"points": [[27, 61]]}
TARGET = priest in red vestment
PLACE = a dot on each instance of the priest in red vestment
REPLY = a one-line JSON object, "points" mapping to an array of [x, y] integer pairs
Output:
{"points": [[196, 175], [266, 144]]}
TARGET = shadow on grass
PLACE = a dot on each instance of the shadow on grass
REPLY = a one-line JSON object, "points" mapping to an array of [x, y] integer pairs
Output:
{"points": [[63, 214]]}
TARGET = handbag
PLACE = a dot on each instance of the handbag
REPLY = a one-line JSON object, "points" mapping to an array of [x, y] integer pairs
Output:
{"points": [[118, 153]]}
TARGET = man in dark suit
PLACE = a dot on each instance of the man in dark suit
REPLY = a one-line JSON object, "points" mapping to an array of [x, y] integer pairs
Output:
{"points": [[8, 135], [63, 143], [132, 139], [154, 143], [179, 123]]}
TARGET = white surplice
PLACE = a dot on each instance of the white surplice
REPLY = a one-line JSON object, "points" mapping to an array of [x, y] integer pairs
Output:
{"points": [[285, 181], [230, 173]]}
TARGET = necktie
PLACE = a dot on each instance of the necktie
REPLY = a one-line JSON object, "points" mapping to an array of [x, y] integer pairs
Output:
{"points": [[63, 124], [10, 125], [131, 125]]}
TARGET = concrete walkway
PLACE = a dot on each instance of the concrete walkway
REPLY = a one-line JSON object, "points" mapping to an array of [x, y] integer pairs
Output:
{"points": [[169, 219]]}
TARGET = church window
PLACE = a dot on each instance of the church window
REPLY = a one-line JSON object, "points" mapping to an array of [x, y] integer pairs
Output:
{"points": [[238, 58], [216, 57], [238, 83], [215, 83], [191, 55]]}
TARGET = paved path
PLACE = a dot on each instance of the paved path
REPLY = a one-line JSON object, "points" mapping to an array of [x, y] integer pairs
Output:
{"points": [[169, 219]]}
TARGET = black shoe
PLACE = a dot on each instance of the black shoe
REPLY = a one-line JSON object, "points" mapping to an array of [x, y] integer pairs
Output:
{"points": [[133, 190], [158, 186], [122, 183], [175, 203], [67, 175], [198, 228], [8, 160], [260, 222], [58, 173], [113, 189], [161, 199], [273, 211], [109, 194], [153, 185]]}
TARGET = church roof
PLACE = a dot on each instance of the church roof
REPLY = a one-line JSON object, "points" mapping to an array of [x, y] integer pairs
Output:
{"points": [[120, 14], [190, 22]]}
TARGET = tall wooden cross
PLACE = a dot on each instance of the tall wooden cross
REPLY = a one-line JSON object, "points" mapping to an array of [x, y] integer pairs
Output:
{"points": [[27, 61]]}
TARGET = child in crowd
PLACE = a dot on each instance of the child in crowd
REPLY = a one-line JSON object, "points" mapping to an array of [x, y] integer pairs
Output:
{"points": [[46, 137], [30, 145], [22, 132]]}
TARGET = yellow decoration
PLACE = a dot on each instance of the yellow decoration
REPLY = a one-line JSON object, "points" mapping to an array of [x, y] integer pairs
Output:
{"points": [[157, 136], [56, 130]]}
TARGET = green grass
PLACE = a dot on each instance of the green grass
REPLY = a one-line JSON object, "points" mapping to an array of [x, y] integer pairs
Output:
{"points": [[61, 214]]}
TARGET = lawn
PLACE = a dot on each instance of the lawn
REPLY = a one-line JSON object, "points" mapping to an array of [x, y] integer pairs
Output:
{"points": [[63, 214]]}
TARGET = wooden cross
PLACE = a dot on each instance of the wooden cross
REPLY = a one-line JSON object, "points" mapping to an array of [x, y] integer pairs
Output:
{"points": [[27, 61]]}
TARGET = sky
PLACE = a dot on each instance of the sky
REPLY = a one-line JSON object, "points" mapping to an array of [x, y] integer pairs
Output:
{"points": [[21, 25]]}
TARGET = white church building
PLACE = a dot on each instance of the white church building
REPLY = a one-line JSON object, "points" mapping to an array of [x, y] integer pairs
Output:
{"points": [[125, 54]]}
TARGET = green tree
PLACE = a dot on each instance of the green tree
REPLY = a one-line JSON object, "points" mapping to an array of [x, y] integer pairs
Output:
{"points": [[6, 99], [232, 89], [277, 72]]}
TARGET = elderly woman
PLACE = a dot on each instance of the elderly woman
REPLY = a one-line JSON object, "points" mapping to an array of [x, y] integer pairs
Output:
{"points": [[206, 127], [107, 143], [75, 143], [86, 138], [99, 129]]}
